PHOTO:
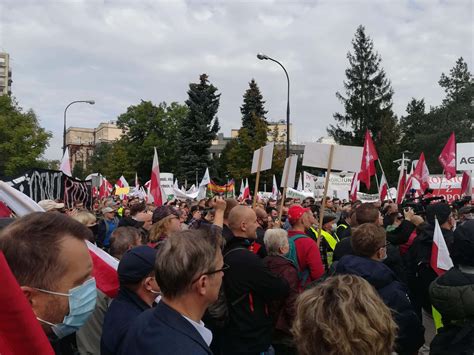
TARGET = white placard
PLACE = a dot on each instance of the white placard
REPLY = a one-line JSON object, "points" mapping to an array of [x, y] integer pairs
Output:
{"points": [[465, 156], [344, 157], [267, 158], [292, 193], [166, 183], [290, 166]]}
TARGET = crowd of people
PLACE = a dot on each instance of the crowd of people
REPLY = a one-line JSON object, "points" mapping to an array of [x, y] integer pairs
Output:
{"points": [[220, 276]]}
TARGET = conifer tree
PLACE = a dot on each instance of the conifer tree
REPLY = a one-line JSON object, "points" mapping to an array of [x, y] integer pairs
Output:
{"points": [[253, 107]]}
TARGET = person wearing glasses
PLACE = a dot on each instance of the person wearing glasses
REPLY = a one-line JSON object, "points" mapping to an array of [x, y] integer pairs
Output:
{"points": [[369, 244], [189, 269]]}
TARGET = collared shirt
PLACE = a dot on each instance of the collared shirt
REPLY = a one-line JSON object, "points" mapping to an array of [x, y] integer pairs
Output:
{"points": [[203, 331]]}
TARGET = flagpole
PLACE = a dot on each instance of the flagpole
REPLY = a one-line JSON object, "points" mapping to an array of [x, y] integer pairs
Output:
{"points": [[282, 202], [383, 172], [440, 183], [323, 204]]}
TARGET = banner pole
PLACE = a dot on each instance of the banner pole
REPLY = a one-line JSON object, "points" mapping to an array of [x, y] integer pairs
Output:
{"points": [[323, 204]]}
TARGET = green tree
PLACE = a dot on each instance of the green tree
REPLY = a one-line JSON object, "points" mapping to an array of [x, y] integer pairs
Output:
{"points": [[22, 139], [457, 84], [147, 126], [368, 94], [197, 130], [253, 107]]}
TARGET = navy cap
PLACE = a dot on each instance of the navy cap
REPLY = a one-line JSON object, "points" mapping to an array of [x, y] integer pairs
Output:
{"points": [[136, 264]]}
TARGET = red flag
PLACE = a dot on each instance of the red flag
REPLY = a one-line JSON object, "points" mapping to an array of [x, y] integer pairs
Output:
{"points": [[4, 211], [122, 182], [15, 315], [104, 270], [354, 187], [369, 156], [466, 183], [421, 173], [440, 260], [246, 190], [447, 158], [383, 189], [155, 188]]}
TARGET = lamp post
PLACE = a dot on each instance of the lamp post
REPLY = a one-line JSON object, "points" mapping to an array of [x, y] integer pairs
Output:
{"points": [[90, 102], [265, 57]]}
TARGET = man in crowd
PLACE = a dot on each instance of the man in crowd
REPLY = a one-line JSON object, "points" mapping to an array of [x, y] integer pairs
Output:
{"points": [[48, 256], [309, 257], [106, 226], [249, 287], [123, 239], [138, 291], [370, 249], [189, 269]]}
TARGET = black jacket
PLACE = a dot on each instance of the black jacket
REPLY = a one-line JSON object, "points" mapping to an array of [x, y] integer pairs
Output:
{"points": [[401, 234], [410, 335], [250, 326], [122, 312], [420, 273]]}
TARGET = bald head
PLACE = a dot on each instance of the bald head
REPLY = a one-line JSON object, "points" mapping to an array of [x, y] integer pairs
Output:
{"points": [[243, 222], [261, 213]]}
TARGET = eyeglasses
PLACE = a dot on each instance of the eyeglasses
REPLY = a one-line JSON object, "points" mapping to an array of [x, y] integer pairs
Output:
{"points": [[224, 267]]}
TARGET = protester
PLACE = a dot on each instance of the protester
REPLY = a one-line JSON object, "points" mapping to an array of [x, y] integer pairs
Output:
{"points": [[344, 225], [343, 316], [370, 248], [47, 255], [189, 269], [249, 286], [123, 239], [282, 311], [106, 226], [165, 221], [226, 232], [452, 294], [308, 256], [138, 291], [328, 239]]}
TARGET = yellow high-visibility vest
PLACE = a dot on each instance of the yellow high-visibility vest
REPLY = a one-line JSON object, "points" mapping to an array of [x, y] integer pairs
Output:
{"points": [[330, 239]]}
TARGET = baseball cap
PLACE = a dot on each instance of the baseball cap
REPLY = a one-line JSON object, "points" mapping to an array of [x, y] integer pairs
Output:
{"points": [[107, 209], [295, 212], [439, 210], [136, 264], [162, 212], [49, 205], [328, 217]]}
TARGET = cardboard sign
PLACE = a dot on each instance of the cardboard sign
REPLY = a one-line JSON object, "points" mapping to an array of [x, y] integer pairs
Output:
{"points": [[290, 169], [267, 158], [465, 156], [344, 157]]}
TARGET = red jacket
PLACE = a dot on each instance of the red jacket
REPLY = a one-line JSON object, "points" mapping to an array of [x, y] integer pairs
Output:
{"points": [[308, 256]]}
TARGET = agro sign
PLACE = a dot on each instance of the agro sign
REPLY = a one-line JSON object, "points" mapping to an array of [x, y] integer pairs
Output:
{"points": [[465, 156]]}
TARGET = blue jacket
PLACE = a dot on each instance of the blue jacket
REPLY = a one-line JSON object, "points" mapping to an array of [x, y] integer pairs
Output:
{"points": [[410, 335], [162, 330], [122, 312]]}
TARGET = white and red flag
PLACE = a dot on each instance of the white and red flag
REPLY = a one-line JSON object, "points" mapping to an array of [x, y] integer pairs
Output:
{"points": [[241, 192], [105, 188], [369, 156], [383, 188], [275, 190], [66, 163], [155, 187], [421, 173], [354, 187], [466, 183], [246, 190], [104, 270], [447, 158], [122, 182], [440, 259]]}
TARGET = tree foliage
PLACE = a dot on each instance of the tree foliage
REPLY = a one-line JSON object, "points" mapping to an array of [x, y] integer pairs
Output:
{"points": [[22, 139], [253, 108], [198, 128]]}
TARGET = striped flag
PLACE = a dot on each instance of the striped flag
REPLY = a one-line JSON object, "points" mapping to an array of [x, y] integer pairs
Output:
{"points": [[104, 270], [440, 260]]}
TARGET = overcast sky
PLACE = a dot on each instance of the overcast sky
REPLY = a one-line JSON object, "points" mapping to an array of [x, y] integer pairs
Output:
{"points": [[118, 52]]}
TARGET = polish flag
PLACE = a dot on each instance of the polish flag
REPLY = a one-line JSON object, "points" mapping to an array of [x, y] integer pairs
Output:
{"points": [[105, 188], [354, 187], [66, 163], [275, 191], [122, 182], [246, 190], [440, 259], [369, 156], [15, 314], [155, 188], [300, 184], [242, 190], [466, 183], [104, 270], [383, 189], [421, 173], [447, 158]]}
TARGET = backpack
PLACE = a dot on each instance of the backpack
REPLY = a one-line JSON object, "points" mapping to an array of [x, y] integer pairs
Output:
{"points": [[219, 310], [293, 257]]}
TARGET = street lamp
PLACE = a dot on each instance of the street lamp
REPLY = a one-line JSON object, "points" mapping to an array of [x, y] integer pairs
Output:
{"points": [[90, 102], [265, 57]]}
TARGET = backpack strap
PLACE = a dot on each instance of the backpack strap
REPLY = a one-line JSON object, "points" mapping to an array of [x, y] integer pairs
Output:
{"points": [[293, 257]]}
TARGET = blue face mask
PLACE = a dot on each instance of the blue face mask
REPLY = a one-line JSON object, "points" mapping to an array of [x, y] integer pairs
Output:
{"points": [[81, 305]]}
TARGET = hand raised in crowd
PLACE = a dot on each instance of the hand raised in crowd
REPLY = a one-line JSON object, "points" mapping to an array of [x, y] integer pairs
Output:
{"points": [[219, 203], [408, 213]]}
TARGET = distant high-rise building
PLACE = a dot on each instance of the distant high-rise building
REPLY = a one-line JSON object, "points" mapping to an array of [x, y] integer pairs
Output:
{"points": [[5, 74]]}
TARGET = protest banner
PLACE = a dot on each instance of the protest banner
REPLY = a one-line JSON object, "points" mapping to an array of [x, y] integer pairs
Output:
{"points": [[288, 178], [262, 160]]}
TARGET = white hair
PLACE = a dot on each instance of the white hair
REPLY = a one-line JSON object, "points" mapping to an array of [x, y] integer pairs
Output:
{"points": [[274, 239]]}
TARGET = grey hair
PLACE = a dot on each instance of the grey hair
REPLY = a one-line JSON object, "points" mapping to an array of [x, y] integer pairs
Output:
{"points": [[183, 257], [274, 239]]}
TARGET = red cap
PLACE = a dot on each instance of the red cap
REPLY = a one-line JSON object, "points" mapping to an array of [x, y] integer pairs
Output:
{"points": [[295, 212]]}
